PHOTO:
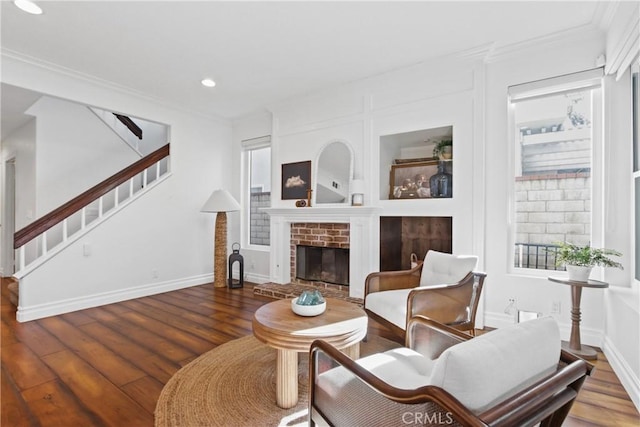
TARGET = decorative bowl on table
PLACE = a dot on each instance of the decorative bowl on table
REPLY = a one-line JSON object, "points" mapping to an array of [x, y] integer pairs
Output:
{"points": [[309, 303]]}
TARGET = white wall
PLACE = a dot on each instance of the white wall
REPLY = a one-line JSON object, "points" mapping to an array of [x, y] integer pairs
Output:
{"points": [[19, 147], [162, 234], [75, 150]]}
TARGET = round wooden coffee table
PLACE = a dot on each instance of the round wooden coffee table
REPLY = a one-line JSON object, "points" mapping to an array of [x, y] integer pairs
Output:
{"points": [[342, 325]]}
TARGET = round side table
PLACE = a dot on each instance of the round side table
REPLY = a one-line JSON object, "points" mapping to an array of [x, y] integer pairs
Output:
{"points": [[574, 346]]}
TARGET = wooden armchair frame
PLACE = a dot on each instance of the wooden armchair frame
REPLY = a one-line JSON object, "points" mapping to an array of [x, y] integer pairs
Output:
{"points": [[454, 304], [547, 401]]}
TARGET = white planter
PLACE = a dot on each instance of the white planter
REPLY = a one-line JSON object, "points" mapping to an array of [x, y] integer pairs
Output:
{"points": [[578, 273]]}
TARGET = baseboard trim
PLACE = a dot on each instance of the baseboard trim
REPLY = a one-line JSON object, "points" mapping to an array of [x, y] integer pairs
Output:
{"points": [[256, 278], [588, 336], [25, 314], [620, 366]]}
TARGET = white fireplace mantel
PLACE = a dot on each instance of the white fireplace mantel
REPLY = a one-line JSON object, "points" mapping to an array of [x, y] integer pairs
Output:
{"points": [[361, 220]]}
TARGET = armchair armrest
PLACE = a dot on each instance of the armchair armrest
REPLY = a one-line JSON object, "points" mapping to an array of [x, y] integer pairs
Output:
{"points": [[390, 280], [431, 338], [450, 304], [549, 399]]}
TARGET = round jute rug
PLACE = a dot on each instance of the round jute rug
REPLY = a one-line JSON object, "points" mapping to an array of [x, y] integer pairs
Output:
{"points": [[235, 385]]}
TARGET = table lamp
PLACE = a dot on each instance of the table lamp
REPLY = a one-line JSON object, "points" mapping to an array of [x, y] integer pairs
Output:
{"points": [[220, 202]]}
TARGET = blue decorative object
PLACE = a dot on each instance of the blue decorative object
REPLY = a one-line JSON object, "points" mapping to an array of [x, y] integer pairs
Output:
{"points": [[310, 298], [441, 184]]}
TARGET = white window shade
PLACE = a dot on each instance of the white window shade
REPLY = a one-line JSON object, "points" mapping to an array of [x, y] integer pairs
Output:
{"points": [[556, 85]]}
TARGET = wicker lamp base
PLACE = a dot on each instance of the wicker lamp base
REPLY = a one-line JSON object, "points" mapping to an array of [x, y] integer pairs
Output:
{"points": [[220, 251]]}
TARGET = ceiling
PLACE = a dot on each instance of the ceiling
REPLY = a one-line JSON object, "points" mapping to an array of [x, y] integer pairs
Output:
{"points": [[260, 53]]}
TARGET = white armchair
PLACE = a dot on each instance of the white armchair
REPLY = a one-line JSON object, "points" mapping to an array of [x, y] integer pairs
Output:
{"points": [[444, 288], [513, 376]]}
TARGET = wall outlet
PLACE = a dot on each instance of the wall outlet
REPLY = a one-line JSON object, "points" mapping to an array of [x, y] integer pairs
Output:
{"points": [[556, 307], [155, 274], [86, 249], [512, 307]]}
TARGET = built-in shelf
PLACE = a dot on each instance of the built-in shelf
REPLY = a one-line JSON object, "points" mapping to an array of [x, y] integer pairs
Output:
{"points": [[408, 156]]}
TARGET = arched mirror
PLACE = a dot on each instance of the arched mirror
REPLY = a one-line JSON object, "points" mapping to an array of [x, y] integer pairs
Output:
{"points": [[334, 171]]}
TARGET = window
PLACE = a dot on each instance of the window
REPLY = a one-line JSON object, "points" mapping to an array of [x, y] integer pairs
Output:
{"points": [[555, 125], [257, 191]]}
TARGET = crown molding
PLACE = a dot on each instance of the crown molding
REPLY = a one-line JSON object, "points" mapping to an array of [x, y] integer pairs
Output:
{"points": [[576, 34], [604, 13], [51, 67]]}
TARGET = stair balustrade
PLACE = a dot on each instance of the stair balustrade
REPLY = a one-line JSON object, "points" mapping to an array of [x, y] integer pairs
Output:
{"points": [[66, 222]]}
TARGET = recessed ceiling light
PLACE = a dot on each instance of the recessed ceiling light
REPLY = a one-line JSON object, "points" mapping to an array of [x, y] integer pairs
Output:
{"points": [[28, 6], [208, 83]]}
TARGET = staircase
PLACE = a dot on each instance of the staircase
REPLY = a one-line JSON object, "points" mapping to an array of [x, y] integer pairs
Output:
{"points": [[51, 234]]}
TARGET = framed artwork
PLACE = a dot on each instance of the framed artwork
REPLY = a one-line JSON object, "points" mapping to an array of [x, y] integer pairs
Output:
{"points": [[296, 179], [413, 181]]}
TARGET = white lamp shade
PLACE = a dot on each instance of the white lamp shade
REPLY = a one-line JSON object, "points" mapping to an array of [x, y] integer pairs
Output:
{"points": [[221, 201]]}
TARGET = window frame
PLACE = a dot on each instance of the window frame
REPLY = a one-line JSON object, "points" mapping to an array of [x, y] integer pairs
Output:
{"points": [[247, 146], [592, 80], [635, 170]]}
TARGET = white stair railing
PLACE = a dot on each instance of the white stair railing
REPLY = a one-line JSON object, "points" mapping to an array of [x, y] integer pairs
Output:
{"points": [[51, 233]]}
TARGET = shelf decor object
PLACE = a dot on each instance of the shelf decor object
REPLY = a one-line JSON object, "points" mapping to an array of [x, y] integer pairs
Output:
{"points": [[411, 180], [357, 192], [220, 202]]}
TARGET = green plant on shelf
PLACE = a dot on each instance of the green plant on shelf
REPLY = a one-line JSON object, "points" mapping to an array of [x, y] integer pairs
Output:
{"points": [[442, 149]]}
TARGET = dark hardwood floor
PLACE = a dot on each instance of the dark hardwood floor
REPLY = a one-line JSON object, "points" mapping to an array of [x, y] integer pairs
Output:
{"points": [[106, 366]]}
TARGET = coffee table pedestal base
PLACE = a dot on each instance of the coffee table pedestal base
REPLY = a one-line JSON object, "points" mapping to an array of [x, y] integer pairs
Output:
{"points": [[287, 378]]}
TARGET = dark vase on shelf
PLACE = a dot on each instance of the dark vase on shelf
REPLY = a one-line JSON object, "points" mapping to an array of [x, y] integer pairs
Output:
{"points": [[441, 184]]}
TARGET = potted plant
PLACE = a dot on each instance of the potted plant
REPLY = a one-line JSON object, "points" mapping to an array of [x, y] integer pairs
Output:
{"points": [[443, 149], [579, 260]]}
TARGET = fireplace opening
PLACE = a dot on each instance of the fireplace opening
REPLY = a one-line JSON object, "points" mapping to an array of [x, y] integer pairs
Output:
{"points": [[324, 264]]}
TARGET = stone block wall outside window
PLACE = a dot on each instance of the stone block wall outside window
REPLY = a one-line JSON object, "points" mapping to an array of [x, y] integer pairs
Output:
{"points": [[260, 227], [549, 209]]}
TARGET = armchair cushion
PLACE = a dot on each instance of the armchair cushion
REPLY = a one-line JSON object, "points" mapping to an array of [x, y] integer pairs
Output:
{"points": [[402, 367], [390, 305], [441, 268], [493, 366]]}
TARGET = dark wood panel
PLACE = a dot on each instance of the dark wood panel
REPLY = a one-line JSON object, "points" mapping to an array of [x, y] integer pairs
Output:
{"points": [[390, 243], [402, 236], [65, 364]]}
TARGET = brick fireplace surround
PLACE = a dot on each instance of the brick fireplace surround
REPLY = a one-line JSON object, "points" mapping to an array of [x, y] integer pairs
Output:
{"points": [[328, 235]]}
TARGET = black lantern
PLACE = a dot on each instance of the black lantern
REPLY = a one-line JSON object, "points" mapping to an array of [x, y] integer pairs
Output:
{"points": [[236, 257]]}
